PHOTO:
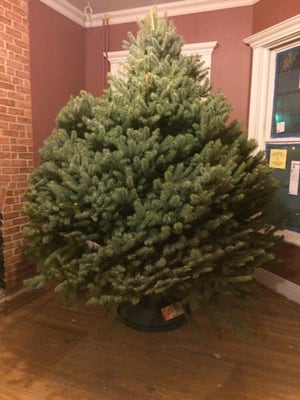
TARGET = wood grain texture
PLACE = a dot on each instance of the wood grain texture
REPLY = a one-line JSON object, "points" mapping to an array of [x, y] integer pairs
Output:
{"points": [[49, 351]]}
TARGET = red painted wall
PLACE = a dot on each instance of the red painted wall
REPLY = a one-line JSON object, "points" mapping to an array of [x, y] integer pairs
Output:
{"points": [[270, 12], [94, 61], [94, 68], [57, 61], [231, 63]]}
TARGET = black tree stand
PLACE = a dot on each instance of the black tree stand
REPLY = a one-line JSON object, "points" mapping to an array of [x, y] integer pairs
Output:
{"points": [[148, 317]]}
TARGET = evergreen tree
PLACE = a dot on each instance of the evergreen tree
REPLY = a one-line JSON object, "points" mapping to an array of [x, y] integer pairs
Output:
{"points": [[148, 191]]}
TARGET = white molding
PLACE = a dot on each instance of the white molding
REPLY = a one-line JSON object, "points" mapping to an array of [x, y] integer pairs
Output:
{"points": [[4, 298], [172, 9], [280, 285], [258, 98], [117, 56], [264, 45], [276, 35], [133, 14], [204, 50], [116, 60], [66, 9], [291, 237]]}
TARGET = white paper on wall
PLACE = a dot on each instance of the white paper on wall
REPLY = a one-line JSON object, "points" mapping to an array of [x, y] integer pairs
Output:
{"points": [[294, 178]]}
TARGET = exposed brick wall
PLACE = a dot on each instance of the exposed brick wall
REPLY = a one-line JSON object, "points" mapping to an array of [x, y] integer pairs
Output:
{"points": [[16, 154]]}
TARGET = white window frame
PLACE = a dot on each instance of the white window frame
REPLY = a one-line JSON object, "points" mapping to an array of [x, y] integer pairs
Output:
{"points": [[204, 50], [266, 45]]}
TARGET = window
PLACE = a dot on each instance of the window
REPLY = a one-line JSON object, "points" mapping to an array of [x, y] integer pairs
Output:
{"points": [[286, 101], [275, 100], [266, 45]]}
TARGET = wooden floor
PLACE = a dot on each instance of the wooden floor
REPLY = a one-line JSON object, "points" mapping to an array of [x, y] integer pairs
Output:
{"points": [[52, 352]]}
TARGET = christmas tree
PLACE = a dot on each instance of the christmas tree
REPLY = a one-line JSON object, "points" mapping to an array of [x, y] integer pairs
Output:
{"points": [[148, 192]]}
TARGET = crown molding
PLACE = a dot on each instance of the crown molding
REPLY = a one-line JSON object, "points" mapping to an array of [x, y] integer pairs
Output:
{"points": [[203, 48], [276, 34], [134, 14], [172, 9]]}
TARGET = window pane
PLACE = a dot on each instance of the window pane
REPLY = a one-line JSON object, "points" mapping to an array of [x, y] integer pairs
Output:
{"points": [[286, 106]]}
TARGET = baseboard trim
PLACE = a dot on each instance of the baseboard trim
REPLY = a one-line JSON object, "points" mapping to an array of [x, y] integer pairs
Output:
{"points": [[280, 285], [5, 298]]}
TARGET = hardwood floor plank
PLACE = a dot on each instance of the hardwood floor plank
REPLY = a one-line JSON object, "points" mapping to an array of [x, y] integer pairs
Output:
{"points": [[49, 351]]}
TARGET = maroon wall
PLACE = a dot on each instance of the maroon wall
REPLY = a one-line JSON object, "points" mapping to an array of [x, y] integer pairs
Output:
{"points": [[231, 63], [57, 66], [270, 12], [94, 68], [94, 61]]}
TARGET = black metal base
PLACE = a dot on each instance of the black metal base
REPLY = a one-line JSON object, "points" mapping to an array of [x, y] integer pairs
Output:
{"points": [[148, 318]]}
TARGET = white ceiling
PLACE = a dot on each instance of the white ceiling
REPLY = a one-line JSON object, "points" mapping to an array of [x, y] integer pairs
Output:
{"points": [[103, 6]]}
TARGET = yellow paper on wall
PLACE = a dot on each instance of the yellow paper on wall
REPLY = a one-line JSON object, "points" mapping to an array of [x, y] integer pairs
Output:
{"points": [[278, 158]]}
